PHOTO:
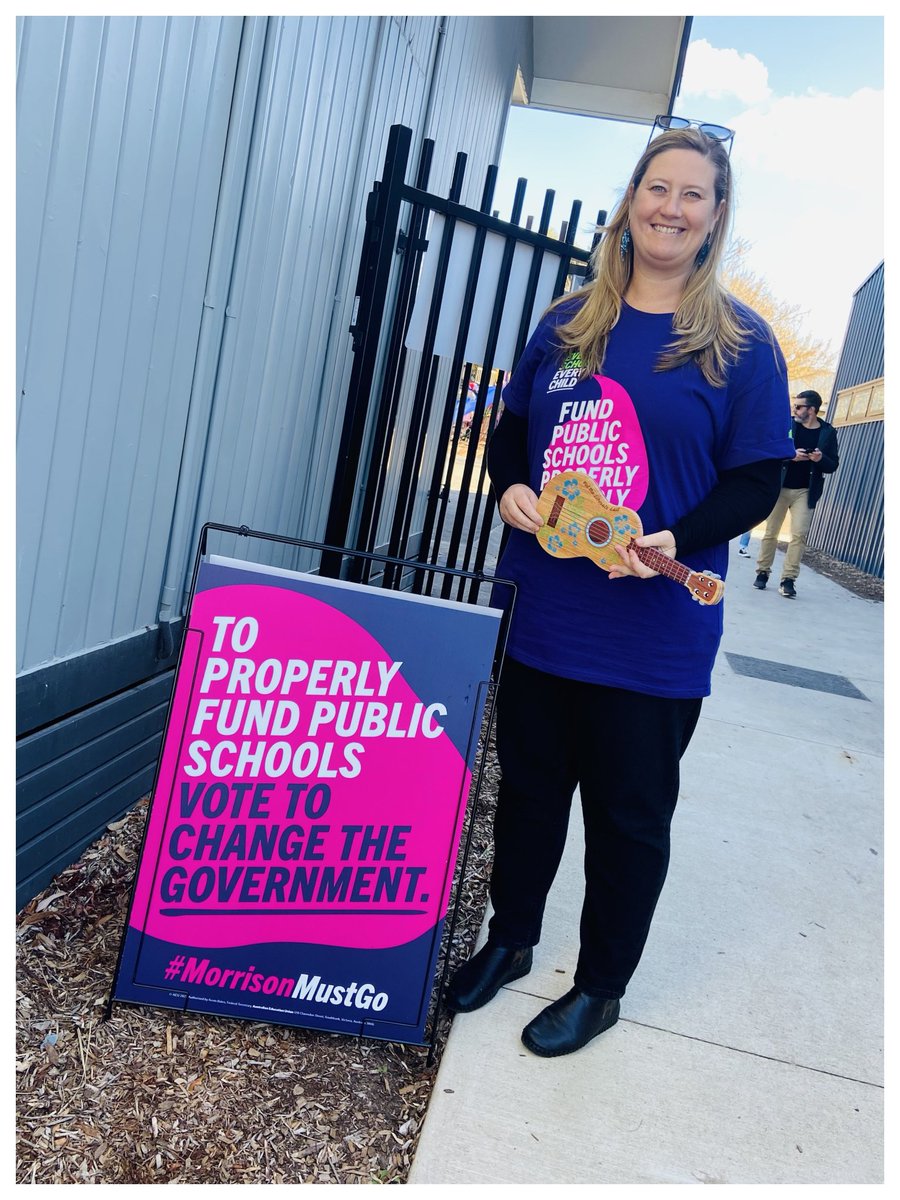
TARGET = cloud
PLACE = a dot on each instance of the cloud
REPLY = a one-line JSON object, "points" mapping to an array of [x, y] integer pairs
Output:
{"points": [[810, 198], [837, 142], [711, 72]]}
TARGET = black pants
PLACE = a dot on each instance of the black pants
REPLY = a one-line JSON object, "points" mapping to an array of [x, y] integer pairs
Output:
{"points": [[622, 749]]}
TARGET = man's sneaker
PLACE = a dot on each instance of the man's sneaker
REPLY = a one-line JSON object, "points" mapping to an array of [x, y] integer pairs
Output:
{"points": [[787, 589], [744, 552], [762, 578]]}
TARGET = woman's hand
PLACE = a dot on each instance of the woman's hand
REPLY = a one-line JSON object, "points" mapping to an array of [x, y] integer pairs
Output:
{"points": [[518, 508], [632, 565]]}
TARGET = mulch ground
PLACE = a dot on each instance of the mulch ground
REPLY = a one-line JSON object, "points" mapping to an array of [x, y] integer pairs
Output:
{"points": [[869, 587], [151, 1096]]}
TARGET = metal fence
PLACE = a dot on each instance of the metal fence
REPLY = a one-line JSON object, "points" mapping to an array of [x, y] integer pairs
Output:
{"points": [[411, 479]]}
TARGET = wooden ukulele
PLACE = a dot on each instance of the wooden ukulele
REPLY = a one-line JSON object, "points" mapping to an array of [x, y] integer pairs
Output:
{"points": [[580, 522]]}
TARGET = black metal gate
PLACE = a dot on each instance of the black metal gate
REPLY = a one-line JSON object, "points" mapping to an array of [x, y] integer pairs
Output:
{"points": [[411, 474]]}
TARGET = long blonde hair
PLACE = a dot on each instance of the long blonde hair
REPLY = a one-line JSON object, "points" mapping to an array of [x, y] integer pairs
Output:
{"points": [[707, 328]]}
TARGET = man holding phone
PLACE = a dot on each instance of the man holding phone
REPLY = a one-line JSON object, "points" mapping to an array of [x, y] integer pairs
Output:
{"points": [[816, 455]]}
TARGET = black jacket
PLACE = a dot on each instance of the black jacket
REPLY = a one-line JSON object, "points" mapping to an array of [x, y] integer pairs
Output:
{"points": [[829, 463]]}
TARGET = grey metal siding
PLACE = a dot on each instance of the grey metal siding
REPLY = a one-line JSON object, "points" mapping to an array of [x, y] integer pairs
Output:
{"points": [[848, 522], [191, 198], [78, 775], [285, 355], [284, 352], [473, 82], [475, 70], [862, 354], [121, 132]]}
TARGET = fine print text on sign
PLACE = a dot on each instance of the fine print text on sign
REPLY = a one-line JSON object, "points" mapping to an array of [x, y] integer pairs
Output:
{"points": [[309, 802]]}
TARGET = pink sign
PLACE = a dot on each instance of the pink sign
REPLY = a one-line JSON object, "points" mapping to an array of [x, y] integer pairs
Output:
{"points": [[311, 789], [603, 438]]}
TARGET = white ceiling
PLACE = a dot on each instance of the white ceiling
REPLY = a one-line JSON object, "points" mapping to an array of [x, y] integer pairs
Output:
{"points": [[622, 68]]}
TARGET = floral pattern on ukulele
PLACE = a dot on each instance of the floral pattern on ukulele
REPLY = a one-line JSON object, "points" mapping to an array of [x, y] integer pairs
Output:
{"points": [[579, 522]]}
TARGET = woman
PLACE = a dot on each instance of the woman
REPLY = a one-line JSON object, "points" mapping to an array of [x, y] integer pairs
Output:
{"points": [[673, 396]]}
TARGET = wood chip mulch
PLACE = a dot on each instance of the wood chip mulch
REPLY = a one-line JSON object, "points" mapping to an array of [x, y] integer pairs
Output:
{"points": [[149, 1096], [869, 587], [152, 1096]]}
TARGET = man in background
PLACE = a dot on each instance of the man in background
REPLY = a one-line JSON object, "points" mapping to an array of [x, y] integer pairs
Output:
{"points": [[816, 455]]}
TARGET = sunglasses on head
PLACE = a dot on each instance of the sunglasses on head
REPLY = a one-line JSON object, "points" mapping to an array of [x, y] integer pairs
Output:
{"points": [[720, 133]]}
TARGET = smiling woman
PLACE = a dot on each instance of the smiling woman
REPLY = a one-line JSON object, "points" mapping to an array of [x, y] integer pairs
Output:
{"points": [[654, 390], [672, 214], [681, 189]]}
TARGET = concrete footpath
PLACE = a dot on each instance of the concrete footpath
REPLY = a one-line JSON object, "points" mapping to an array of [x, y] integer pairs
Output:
{"points": [[749, 1049]]}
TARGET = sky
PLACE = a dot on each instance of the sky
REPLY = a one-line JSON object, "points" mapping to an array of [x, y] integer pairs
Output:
{"points": [[804, 95]]}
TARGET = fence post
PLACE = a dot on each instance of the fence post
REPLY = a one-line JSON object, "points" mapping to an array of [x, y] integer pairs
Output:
{"points": [[382, 221]]}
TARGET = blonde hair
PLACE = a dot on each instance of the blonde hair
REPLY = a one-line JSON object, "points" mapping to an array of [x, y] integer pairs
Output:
{"points": [[706, 325]]}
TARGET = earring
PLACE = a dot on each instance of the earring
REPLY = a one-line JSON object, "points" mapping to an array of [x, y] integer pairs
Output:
{"points": [[702, 253], [625, 242]]}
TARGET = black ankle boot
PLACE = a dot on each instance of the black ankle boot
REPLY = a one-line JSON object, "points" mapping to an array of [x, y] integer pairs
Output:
{"points": [[569, 1023], [481, 978]]}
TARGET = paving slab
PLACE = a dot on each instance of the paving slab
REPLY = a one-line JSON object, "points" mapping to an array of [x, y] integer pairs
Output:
{"points": [[750, 1045], [768, 934], [644, 1106]]}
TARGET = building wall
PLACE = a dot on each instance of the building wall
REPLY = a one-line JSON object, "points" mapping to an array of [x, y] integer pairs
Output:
{"points": [[122, 126], [862, 352], [848, 522], [191, 201]]}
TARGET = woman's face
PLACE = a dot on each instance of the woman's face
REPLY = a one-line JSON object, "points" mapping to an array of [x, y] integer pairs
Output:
{"points": [[672, 210]]}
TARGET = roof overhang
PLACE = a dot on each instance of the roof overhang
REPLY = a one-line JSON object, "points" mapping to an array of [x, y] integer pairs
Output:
{"points": [[621, 68]]}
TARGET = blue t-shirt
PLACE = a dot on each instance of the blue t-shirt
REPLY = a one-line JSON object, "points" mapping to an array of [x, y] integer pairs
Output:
{"points": [[654, 442]]}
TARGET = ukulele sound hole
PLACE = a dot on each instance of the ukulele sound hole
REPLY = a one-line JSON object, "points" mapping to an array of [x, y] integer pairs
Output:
{"points": [[599, 532]]}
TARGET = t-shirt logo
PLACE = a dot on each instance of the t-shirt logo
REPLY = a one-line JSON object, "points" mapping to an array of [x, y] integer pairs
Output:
{"points": [[601, 436], [567, 375]]}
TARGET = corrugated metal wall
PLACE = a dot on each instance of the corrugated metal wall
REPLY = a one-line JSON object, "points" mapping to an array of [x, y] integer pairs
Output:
{"points": [[121, 132], [465, 89], [848, 522], [862, 354], [280, 364], [191, 197]]}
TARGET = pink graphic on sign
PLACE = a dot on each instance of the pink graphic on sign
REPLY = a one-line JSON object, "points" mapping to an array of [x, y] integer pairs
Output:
{"points": [[305, 793], [603, 438]]}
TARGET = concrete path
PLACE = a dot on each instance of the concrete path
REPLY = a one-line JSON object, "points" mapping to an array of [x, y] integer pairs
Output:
{"points": [[749, 1048]]}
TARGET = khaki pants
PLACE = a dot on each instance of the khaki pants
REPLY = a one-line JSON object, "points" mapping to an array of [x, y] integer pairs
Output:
{"points": [[793, 501]]}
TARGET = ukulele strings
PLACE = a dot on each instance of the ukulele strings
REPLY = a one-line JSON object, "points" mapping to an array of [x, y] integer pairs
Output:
{"points": [[621, 540], [669, 568]]}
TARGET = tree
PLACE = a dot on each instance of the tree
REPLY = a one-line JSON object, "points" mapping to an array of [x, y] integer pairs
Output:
{"points": [[809, 361]]}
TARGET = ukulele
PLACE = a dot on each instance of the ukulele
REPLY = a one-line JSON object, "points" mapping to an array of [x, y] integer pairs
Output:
{"points": [[580, 522]]}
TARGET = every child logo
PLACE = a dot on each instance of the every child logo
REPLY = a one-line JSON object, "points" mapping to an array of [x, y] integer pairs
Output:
{"points": [[567, 375], [602, 437]]}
